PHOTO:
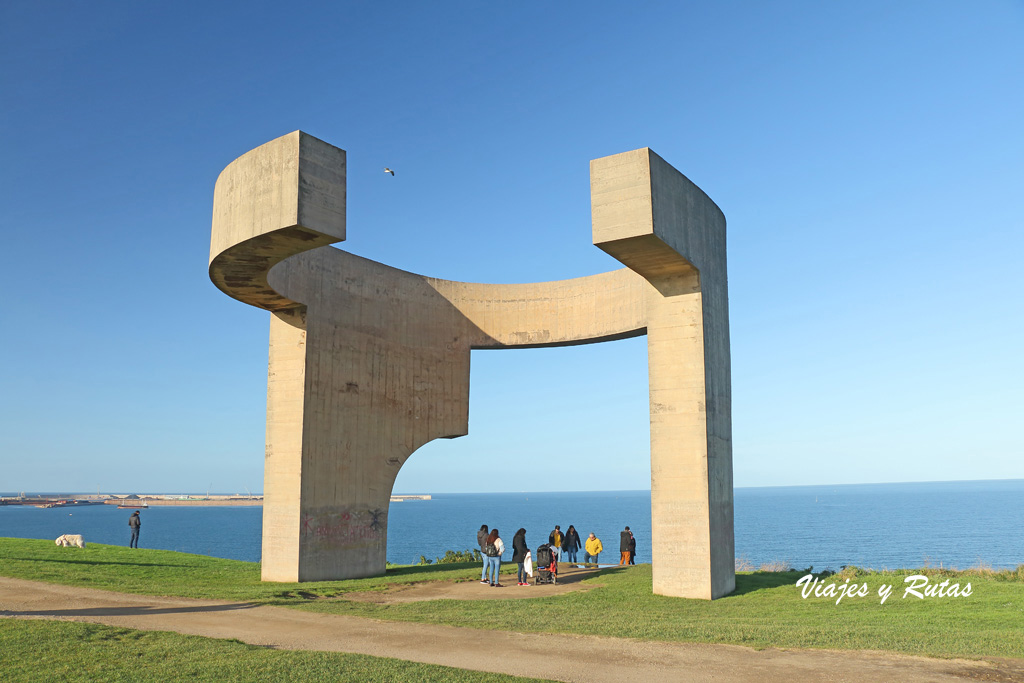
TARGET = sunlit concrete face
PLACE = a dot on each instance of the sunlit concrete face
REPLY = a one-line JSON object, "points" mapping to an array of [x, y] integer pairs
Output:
{"points": [[368, 363]]}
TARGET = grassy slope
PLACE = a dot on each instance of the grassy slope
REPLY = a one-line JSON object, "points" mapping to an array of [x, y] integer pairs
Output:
{"points": [[32, 651], [765, 611]]}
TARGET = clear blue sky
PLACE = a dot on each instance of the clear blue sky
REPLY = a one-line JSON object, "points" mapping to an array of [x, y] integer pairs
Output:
{"points": [[869, 158]]}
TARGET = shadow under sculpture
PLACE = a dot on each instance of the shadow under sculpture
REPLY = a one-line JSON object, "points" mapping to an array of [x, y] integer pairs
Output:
{"points": [[368, 363]]}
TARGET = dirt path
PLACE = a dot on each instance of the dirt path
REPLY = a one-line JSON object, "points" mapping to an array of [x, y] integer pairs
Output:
{"points": [[586, 659], [569, 580]]}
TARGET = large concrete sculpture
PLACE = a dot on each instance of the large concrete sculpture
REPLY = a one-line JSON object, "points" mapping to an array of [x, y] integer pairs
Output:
{"points": [[368, 363]]}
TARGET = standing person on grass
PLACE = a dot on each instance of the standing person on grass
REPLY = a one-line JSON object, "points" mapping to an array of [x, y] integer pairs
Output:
{"points": [[593, 549], [571, 543], [493, 548], [134, 523], [555, 539], [481, 538], [632, 548], [624, 539], [519, 551]]}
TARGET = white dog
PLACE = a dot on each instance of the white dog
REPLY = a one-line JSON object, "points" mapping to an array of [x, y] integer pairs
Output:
{"points": [[70, 539]]}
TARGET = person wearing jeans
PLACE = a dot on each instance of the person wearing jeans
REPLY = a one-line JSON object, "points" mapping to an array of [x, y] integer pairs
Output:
{"points": [[495, 568], [593, 549], [493, 544], [134, 524], [571, 543], [519, 553], [555, 539], [481, 538]]}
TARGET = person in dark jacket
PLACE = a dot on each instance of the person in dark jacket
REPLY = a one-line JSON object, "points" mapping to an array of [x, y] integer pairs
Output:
{"points": [[571, 543], [519, 551], [632, 548], [481, 538], [624, 538], [134, 523]]}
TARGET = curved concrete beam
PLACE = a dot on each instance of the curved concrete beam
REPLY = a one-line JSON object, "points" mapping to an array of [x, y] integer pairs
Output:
{"points": [[560, 313], [287, 197], [280, 199]]}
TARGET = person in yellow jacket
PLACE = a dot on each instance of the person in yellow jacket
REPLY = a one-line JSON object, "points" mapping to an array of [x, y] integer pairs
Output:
{"points": [[592, 549], [555, 539]]}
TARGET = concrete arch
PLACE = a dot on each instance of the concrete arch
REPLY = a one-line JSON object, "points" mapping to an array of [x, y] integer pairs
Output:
{"points": [[368, 363]]}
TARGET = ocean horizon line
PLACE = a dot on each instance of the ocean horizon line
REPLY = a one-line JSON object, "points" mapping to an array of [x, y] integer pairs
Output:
{"points": [[201, 494], [735, 488]]}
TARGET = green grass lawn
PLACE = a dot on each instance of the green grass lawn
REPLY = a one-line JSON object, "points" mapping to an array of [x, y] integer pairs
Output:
{"points": [[766, 610], [164, 572], [32, 651]]}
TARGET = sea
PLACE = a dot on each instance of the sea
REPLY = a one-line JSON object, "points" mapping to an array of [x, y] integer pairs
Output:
{"points": [[880, 526]]}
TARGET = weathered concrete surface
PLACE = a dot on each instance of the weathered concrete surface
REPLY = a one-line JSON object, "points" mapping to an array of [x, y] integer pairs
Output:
{"points": [[368, 363], [279, 199]]}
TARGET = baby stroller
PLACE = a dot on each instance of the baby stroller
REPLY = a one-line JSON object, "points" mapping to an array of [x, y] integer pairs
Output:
{"points": [[546, 570]]}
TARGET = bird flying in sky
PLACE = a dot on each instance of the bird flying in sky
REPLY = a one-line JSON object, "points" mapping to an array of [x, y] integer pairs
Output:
{"points": [[388, 170]]}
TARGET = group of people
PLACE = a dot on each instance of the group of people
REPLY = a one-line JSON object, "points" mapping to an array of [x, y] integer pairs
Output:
{"points": [[492, 548]]}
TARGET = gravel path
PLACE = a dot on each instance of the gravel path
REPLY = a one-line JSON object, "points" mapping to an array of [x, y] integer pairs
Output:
{"points": [[587, 659]]}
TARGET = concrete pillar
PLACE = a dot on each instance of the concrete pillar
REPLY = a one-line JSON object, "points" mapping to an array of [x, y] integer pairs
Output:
{"points": [[662, 226], [282, 466]]}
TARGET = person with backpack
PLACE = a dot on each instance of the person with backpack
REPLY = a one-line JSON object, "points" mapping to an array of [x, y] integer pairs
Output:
{"points": [[493, 548], [481, 537], [571, 543]]}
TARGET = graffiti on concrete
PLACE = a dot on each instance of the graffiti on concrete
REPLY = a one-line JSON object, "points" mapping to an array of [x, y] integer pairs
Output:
{"points": [[346, 527]]}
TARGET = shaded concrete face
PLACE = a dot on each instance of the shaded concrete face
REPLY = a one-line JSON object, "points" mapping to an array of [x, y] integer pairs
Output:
{"points": [[367, 363]]}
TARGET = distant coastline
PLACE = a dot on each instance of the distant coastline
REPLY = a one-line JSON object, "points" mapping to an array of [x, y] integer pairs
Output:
{"points": [[153, 500], [198, 501]]}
